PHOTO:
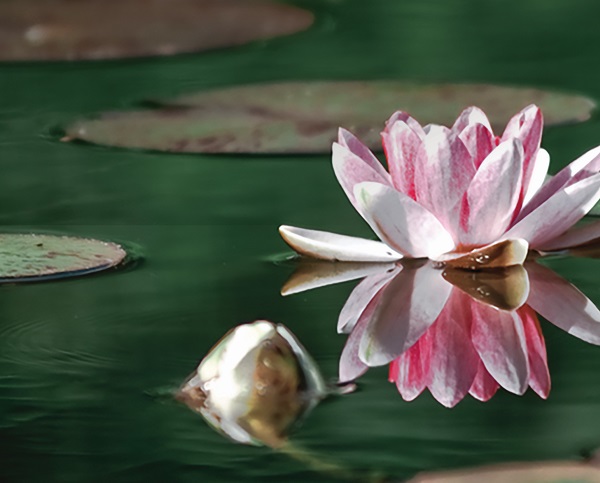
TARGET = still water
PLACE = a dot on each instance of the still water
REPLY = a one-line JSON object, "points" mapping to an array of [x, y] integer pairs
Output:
{"points": [[88, 366]]}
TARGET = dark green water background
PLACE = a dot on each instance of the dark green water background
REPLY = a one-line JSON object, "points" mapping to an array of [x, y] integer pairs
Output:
{"points": [[86, 365]]}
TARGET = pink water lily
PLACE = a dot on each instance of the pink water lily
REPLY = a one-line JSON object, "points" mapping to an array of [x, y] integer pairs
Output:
{"points": [[461, 195]]}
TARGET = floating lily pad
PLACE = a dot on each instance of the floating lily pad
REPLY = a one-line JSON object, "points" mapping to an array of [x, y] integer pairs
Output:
{"points": [[303, 117], [28, 257], [550, 472], [112, 29]]}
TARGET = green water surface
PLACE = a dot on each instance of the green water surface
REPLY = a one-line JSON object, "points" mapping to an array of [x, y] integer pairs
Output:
{"points": [[87, 365]]}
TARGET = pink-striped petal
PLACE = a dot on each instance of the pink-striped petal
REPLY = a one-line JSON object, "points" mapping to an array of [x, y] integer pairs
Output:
{"points": [[402, 223], [355, 146], [576, 236], [539, 173], [469, 117], [492, 196], [559, 213], [479, 141], [527, 127], [409, 371], [409, 304], [563, 304], [484, 386], [361, 296], [401, 116], [539, 375], [401, 145], [586, 165], [499, 338], [323, 245], [350, 169], [453, 360], [443, 174]]}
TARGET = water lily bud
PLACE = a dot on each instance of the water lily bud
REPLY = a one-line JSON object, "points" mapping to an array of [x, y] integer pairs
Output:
{"points": [[254, 384]]}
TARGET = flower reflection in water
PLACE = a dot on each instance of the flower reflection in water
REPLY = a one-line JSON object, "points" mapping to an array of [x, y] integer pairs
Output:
{"points": [[453, 331]]}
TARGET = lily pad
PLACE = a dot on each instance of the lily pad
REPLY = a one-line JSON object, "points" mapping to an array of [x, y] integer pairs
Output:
{"points": [[303, 117], [29, 257], [112, 29], [550, 472]]}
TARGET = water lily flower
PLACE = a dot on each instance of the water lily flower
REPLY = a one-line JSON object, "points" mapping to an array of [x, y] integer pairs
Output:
{"points": [[459, 195], [453, 331], [255, 384]]}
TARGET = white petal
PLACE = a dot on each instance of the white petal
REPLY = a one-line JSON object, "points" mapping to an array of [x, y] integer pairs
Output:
{"points": [[538, 175], [329, 246], [401, 222], [559, 213], [575, 236]]}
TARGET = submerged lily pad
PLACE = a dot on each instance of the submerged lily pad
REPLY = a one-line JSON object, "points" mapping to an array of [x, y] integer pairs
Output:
{"points": [[303, 117], [111, 29], [29, 257]]}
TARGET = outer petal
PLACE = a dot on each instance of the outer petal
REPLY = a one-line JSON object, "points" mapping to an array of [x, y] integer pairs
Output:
{"points": [[586, 165], [493, 194], [329, 246], [453, 360], [409, 304], [559, 213], [409, 371], [499, 338], [538, 175], [361, 296], [401, 145], [350, 169], [575, 236], [539, 378], [401, 222], [563, 304]]}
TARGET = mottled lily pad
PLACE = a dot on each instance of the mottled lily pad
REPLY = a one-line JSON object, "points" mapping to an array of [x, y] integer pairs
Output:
{"points": [[112, 29], [549, 472], [28, 257], [303, 117]]}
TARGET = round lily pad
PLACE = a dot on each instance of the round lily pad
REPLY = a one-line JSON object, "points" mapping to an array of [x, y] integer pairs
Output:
{"points": [[29, 257], [303, 117], [112, 29]]}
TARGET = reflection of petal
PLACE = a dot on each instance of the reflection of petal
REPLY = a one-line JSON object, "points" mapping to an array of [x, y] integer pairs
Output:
{"points": [[563, 304], [505, 289], [499, 339], [409, 304], [310, 274], [360, 297], [452, 360], [484, 386], [408, 371], [539, 377], [330, 246]]}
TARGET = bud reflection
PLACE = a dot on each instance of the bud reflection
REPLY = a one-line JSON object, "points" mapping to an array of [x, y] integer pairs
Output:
{"points": [[455, 332], [255, 384]]}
